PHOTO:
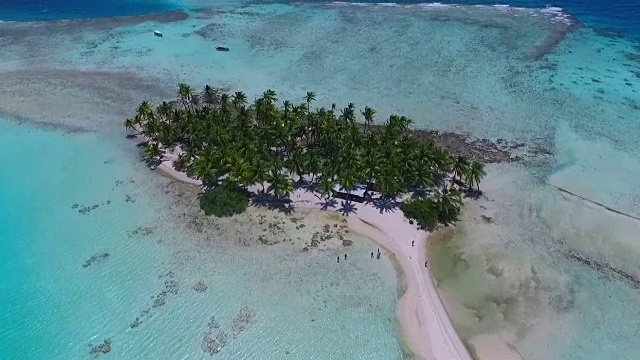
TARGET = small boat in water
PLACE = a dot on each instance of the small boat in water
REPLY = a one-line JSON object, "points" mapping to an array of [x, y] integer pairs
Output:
{"points": [[222, 48], [157, 33]]}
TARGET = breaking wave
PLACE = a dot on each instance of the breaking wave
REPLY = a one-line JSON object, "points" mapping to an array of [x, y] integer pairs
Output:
{"points": [[553, 13]]}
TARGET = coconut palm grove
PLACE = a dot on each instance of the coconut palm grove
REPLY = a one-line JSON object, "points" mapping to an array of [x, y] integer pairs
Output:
{"points": [[233, 146]]}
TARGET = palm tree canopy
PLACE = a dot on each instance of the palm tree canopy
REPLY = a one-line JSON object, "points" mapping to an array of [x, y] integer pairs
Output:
{"points": [[263, 142]]}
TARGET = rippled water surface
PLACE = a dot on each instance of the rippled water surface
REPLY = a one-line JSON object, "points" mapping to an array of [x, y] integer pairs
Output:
{"points": [[542, 262]]}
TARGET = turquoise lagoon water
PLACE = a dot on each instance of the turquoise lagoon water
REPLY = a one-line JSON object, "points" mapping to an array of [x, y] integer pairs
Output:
{"points": [[68, 197], [568, 92]]}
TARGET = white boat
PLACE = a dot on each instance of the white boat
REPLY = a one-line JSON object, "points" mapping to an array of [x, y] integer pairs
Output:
{"points": [[157, 33]]}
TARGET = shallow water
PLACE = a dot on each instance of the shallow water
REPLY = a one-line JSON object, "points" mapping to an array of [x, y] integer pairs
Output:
{"points": [[569, 93], [73, 196]]}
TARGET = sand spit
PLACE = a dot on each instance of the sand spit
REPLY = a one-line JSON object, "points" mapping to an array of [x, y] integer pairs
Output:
{"points": [[425, 324]]}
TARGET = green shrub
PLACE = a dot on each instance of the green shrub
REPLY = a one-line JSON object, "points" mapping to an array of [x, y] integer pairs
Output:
{"points": [[423, 211], [224, 200]]}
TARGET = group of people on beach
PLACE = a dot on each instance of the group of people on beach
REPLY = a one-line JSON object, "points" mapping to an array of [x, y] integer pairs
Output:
{"points": [[378, 256]]}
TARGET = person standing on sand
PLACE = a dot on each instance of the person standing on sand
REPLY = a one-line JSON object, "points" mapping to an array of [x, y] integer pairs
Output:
{"points": [[339, 261], [412, 241], [345, 256], [425, 263], [372, 254]]}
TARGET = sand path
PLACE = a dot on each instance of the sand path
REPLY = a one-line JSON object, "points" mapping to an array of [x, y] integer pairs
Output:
{"points": [[425, 324]]}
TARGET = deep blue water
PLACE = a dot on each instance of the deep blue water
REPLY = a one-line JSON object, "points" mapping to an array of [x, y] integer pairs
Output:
{"points": [[75, 9], [618, 14], [621, 15]]}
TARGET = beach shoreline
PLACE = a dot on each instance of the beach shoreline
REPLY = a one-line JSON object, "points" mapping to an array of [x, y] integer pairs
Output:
{"points": [[426, 328]]}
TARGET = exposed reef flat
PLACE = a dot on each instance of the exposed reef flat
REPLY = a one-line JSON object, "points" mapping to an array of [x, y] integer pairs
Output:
{"points": [[483, 150], [32, 27], [35, 96], [605, 269]]}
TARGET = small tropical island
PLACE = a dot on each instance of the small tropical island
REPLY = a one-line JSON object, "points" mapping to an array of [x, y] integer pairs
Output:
{"points": [[294, 155], [231, 146]]}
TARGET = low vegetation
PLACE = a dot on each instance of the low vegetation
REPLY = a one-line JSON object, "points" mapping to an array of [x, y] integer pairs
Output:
{"points": [[224, 200]]}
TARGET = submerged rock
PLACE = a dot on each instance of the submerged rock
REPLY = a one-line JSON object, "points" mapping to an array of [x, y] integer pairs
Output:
{"points": [[214, 339], [609, 272], [94, 258], [160, 299], [242, 321], [102, 348], [487, 219], [200, 287], [137, 322]]}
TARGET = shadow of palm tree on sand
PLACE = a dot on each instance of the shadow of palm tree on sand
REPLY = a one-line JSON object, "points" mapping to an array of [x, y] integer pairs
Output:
{"points": [[269, 201], [385, 204], [328, 203], [347, 208]]}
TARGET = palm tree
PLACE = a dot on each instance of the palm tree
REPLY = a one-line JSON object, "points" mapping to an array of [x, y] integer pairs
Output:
{"points": [[130, 124], [202, 168], [240, 172], [460, 167], [259, 166], [388, 182], [279, 183], [151, 152], [349, 113], [441, 160], [368, 114], [209, 95], [312, 163], [296, 164], [239, 100], [311, 96], [370, 163], [186, 94], [422, 175], [269, 96], [448, 203], [474, 174], [325, 186], [145, 112], [165, 111]]}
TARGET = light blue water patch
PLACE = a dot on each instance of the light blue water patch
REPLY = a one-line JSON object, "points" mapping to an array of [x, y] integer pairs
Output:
{"points": [[94, 246], [609, 328], [64, 199]]}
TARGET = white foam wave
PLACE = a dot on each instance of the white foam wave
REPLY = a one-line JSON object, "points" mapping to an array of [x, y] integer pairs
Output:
{"points": [[553, 13], [435, 5]]}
